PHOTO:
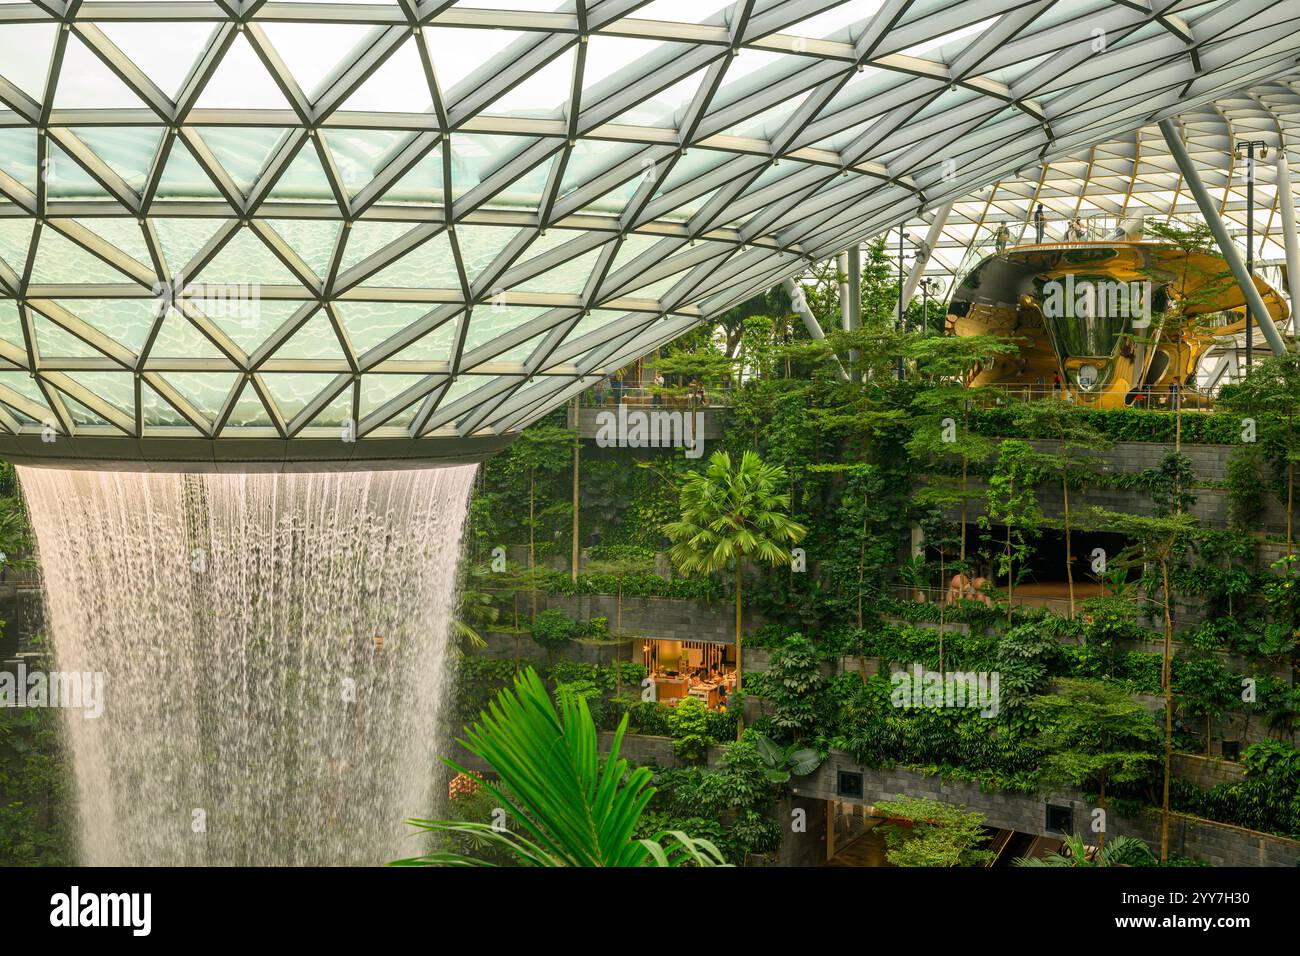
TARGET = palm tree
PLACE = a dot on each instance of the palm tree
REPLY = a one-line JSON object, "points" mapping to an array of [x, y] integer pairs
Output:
{"points": [[729, 513], [575, 809], [1120, 851]]}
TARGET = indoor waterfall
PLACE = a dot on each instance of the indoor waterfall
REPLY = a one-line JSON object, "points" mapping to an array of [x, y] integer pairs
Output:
{"points": [[275, 651]]}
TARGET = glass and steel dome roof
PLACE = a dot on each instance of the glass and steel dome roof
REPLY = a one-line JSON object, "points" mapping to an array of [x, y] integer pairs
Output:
{"points": [[228, 228]]}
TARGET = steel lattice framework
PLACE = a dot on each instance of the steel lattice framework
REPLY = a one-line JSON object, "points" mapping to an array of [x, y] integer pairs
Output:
{"points": [[229, 227]]}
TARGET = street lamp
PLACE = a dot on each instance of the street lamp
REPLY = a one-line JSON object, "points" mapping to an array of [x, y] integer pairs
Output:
{"points": [[1249, 146], [929, 287]]}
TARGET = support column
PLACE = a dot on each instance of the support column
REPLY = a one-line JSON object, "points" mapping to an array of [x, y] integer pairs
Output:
{"points": [[1211, 215], [918, 267], [1286, 202], [800, 307]]}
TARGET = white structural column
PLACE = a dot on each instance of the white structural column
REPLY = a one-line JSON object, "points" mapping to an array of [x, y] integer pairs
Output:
{"points": [[800, 306], [923, 255], [1211, 214], [1286, 202], [851, 300]]}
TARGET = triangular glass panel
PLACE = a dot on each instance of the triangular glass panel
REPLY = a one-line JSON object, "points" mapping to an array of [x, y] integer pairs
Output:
{"points": [[242, 151], [181, 239], [474, 157], [304, 179], [183, 177], [81, 415], [292, 391], [128, 150], [480, 246], [458, 51], [378, 389], [18, 155], [365, 238], [246, 259], [179, 339], [527, 191], [125, 321], [568, 277], [397, 86], [421, 183], [312, 239], [491, 322], [65, 179], [429, 265], [61, 261], [24, 385], [312, 51], [165, 51], [435, 346], [15, 241], [114, 388], [249, 412], [86, 83], [544, 93], [11, 323], [206, 391], [157, 411], [123, 233], [359, 154], [662, 110], [249, 320], [367, 324], [336, 412], [521, 352], [25, 50], [315, 341], [241, 82], [54, 341]]}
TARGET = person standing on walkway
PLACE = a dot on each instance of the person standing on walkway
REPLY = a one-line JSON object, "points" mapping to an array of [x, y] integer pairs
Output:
{"points": [[1002, 236], [1040, 223]]}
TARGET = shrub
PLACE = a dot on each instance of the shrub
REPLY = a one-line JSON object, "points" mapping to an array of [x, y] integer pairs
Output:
{"points": [[688, 725], [552, 629]]}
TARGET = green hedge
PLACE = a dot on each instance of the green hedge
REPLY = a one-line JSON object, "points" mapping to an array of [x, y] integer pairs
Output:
{"points": [[1125, 424]]}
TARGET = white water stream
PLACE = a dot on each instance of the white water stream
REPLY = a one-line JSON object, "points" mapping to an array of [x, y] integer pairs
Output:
{"points": [[249, 717]]}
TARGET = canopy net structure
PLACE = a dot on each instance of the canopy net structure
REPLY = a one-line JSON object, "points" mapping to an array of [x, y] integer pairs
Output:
{"points": [[276, 233]]}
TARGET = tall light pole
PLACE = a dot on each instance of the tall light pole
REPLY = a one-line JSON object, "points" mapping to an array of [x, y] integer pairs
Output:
{"points": [[1249, 146]]}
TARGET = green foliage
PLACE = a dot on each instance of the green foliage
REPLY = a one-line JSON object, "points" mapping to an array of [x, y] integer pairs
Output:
{"points": [[1118, 851], [1094, 733], [552, 629], [35, 817], [573, 807], [940, 834], [688, 725], [732, 512], [793, 681]]}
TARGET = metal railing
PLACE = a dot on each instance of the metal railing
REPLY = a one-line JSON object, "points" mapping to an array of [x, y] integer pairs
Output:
{"points": [[654, 396], [1147, 396]]}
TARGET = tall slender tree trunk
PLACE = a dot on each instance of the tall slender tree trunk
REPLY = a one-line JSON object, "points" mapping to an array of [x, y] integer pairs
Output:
{"points": [[618, 633], [965, 461], [1291, 488], [1011, 561], [740, 716], [577, 445], [1169, 713], [943, 607], [1069, 551], [532, 538], [862, 559]]}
